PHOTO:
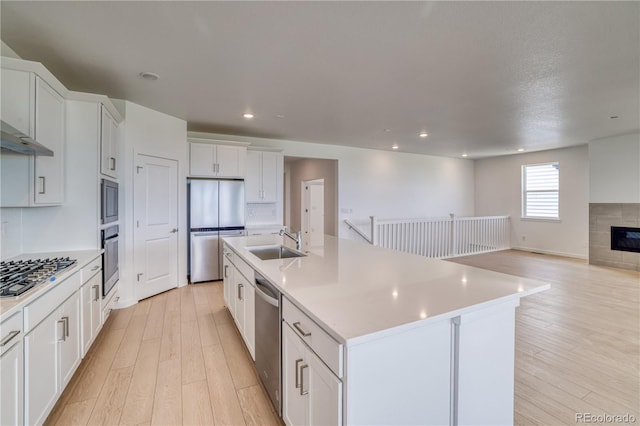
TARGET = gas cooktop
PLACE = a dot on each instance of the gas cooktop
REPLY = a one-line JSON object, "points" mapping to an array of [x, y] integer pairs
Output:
{"points": [[18, 276]]}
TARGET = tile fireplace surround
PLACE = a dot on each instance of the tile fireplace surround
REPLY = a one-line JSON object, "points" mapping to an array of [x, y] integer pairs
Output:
{"points": [[602, 216]]}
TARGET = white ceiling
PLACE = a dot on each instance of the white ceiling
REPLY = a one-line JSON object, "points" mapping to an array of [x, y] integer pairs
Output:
{"points": [[485, 78]]}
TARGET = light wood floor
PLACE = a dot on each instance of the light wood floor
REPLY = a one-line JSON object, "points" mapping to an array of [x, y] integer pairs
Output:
{"points": [[177, 357], [172, 359], [577, 344]]}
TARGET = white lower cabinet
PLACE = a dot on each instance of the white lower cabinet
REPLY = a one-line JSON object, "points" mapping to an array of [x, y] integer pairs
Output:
{"points": [[228, 283], [244, 314], [91, 310], [11, 378], [52, 353], [312, 393]]}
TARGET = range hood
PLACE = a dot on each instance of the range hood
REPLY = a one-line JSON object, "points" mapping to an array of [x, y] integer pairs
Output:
{"points": [[16, 141]]}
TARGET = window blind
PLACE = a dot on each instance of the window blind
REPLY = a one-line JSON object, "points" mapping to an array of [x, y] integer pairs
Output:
{"points": [[540, 194]]}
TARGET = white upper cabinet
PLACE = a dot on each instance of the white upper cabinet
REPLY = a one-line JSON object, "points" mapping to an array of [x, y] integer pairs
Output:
{"points": [[109, 160], [221, 161], [264, 171], [49, 131], [32, 106]]}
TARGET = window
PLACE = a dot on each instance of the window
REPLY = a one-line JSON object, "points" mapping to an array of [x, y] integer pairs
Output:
{"points": [[540, 191]]}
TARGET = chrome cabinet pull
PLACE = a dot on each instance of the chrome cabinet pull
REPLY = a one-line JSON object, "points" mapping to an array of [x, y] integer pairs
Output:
{"points": [[297, 326], [112, 163], [240, 286], [64, 337], [302, 391], [96, 293], [66, 326], [298, 361], [95, 268], [174, 230], [9, 337], [225, 271], [43, 181]]}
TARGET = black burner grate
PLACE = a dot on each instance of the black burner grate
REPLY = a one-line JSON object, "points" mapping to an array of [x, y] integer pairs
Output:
{"points": [[18, 276]]}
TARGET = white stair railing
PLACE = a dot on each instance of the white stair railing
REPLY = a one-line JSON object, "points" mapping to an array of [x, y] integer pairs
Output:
{"points": [[439, 237]]}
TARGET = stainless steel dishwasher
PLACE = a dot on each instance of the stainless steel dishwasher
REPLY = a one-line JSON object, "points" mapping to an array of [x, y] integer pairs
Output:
{"points": [[268, 320]]}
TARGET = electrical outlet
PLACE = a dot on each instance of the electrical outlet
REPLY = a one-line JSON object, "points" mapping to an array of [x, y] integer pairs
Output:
{"points": [[3, 228]]}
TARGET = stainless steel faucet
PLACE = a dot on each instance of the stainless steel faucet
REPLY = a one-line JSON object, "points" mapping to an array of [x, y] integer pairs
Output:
{"points": [[297, 238]]}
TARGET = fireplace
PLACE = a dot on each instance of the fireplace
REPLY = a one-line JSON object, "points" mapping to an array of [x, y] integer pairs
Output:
{"points": [[614, 235], [625, 239]]}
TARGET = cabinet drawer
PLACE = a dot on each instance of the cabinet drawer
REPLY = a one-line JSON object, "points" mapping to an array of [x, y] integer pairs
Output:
{"points": [[329, 350], [38, 310], [244, 268], [91, 269], [10, 332]]}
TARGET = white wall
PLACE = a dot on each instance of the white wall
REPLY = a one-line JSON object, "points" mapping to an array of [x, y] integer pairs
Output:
{"points": [[149, 132], [499, 192], [615, 169], [387, 184], [11, 231]]}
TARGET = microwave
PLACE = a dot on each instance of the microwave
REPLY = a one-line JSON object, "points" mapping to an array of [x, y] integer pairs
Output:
{"points": [[109, 198]]}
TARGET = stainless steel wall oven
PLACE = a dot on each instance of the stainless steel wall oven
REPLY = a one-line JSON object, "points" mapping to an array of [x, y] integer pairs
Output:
{"points": [[110, 272], [109, 205]]}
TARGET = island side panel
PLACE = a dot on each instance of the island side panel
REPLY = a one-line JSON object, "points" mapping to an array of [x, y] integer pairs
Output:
{"points": [[484, 342], [403, 378]]}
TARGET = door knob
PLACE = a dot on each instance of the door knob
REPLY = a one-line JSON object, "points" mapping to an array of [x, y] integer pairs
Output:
{"points": [[174, 230]]}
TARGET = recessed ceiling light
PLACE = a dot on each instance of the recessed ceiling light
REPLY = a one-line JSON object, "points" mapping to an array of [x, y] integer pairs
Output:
{"points": [[150, 76], [387, 130], [465, 155], [247, 115], [395, 146], [613, 117], [424, 134], [520, 149], [279, 116]]}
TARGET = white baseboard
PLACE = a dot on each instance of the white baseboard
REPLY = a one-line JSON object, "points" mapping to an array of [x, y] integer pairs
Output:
{"points": [[552, 252]]}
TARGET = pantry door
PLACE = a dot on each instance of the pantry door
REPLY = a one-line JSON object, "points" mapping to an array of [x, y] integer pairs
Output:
{"points": [[156, 225]]}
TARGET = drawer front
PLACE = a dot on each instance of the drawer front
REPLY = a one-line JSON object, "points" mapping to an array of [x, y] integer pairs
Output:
{"points": [[10, 332], [325, 346], [91, 269], [244, 269], [40, 308]]}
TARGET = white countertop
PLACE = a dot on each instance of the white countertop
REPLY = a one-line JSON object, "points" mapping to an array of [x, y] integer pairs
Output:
{"points": [[8, 305], [358, 291]]}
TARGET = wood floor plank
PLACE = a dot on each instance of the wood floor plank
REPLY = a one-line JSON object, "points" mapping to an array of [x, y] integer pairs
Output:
{"points": [[140, 396], [76, 413], [208, 331], [196, 404], [237, 356], [226, 407], [170, 346], [155, 319], [167, 404], [191, 355], [109, 403], [95, 375], [257, 410], [130, 345]]}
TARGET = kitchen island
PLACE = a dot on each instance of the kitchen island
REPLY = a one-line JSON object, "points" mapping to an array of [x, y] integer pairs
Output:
{"points": [[375, 336]]}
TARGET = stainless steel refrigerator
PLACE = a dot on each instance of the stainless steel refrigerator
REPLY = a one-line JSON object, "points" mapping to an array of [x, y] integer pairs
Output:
{"points": [[216, 210]]}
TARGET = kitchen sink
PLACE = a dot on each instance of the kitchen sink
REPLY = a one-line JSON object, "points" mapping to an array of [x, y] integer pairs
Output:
{"points": [[274, 252]]}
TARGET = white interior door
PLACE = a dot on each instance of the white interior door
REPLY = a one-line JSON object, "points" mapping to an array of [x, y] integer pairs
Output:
{"points": [[313, 213], [156, 227]]}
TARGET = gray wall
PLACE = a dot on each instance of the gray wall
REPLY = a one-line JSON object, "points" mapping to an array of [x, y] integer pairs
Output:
{"points": [[310, 169]]}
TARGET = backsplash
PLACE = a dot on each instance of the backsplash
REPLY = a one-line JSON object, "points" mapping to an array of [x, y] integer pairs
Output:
{"points": [[11, 230], [262, 214], [602, 216]]}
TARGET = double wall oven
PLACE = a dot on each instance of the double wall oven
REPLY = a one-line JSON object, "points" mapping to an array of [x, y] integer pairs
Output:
{"points": [[109, 235]]}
